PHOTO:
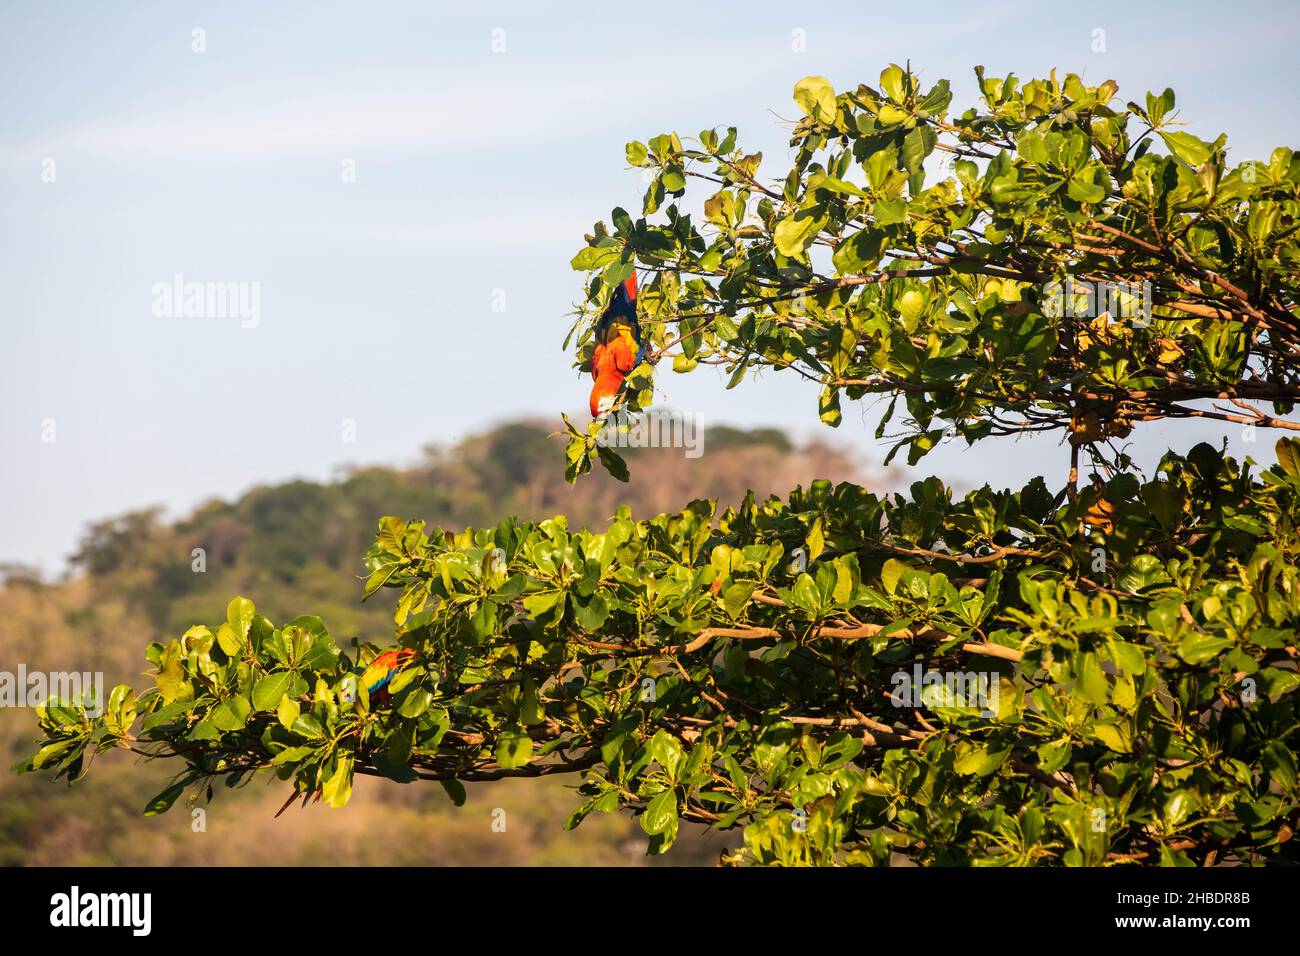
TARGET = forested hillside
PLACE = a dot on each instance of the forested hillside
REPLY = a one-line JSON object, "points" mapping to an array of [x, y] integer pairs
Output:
{"points": [[293, 548]]}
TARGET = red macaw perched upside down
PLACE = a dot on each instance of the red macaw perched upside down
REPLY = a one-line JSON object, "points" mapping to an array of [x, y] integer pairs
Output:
{"points": [[619, 347]]}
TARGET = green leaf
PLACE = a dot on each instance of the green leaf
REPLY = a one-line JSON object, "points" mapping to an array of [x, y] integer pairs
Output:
{"points": [[1092, 680], [1288, 456], [239, 615], [531, 711], [162, 802], [861, 252], [1178, 806], [514, 748], [308, 726], [228, 641], [980, 761], [815, 540], [1129, 657], [287, 711], [415, 702], [1087, 192], [773, 745], [673, 179], [828, 406], [636, 153], [806, 594], [667, 752], [1053, 756], [1194, 152], [1113, 737], [891, 574], [613, 462], [1197, 648], [541, 602], [660, 813], [1280, 762], [50, 752], [918, 144], [841, 186], [591, 614], [337, 790], [816, 97], [268, 691], [456, 790], [1274, 681], [891, 83], [793, 233], [231, 714]]}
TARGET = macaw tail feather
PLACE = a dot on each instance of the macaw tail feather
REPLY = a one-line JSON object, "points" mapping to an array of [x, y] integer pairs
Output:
{"points": [[292, 797], [306, 798]]}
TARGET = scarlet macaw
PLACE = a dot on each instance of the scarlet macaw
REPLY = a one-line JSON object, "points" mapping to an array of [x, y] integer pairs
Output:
{"points": [[619, 347], [375, 679], [382, 668]]}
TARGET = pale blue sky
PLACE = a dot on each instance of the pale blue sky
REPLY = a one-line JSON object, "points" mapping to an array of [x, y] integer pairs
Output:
{"points": [[475, 171]]}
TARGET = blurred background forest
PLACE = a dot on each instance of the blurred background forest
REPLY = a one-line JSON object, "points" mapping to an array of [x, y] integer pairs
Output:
{"points": [[296, 548]]}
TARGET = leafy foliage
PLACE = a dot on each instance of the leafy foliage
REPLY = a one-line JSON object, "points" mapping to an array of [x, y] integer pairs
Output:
{"points": [[863, 271], [1117, 659], [136, 583]]}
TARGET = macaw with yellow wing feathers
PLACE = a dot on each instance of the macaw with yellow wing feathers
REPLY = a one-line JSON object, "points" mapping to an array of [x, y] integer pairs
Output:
{"points": [[374, 679], [619, 347], [379, 673]]}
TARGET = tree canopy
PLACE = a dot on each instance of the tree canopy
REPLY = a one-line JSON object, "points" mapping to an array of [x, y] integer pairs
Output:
{"points": [[1098, 668]]}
